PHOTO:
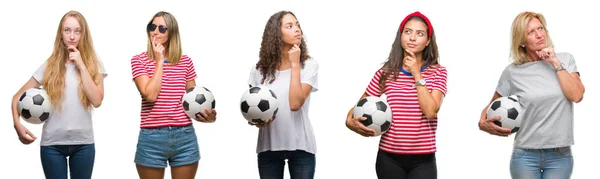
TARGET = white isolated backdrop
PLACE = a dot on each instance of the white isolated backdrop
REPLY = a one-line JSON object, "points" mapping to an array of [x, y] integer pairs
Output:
{"points": [[350, 40]]}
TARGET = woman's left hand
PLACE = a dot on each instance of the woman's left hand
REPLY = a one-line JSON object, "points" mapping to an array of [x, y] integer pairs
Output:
{"points": [[547, 54], [411, 64], [75, 57], [208, 116]]}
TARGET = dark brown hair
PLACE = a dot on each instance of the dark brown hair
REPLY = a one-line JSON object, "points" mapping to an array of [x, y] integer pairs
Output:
{"points": [[271, 48], [396, 59]]}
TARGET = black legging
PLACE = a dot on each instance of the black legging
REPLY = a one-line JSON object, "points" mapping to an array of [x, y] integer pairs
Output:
{"points": [[399, 166]]}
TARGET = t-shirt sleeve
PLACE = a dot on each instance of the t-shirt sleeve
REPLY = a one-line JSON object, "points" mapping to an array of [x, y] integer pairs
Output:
{"points": [[569, 61], [38, 75], [440, 80], [252, 79], [138, 67], [373, 87], [102, 69], [503, 87], [310, 74], [190, 70]]}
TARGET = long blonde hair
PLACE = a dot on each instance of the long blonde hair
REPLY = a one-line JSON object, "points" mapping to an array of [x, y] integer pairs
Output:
{"points": [[54, 74], [519, 36], [173, 42]]}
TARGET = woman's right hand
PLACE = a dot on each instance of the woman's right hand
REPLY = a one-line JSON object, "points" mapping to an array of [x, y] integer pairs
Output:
{"points": [[261, 125], [355, 125], [158, 50], [488, 126], [25, 136]]}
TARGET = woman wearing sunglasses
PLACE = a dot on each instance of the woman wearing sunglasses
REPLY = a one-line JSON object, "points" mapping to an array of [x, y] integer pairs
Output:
{"points": [[162, 76], [73, 78]]}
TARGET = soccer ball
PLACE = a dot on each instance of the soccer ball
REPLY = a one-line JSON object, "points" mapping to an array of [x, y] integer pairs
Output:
{"points": [[259, 105], [196, 99], [510, 111], [377, 111], [34, 106]]}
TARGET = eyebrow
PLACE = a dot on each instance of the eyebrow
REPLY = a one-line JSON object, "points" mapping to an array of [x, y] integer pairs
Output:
{"points": [[418, 30]]}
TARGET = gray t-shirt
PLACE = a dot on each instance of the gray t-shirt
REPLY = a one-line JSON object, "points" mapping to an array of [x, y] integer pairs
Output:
{"points": [[291, 130], [72, 125], [548, 114]]}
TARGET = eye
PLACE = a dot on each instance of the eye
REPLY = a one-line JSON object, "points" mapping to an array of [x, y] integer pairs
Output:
{"points": [[77, 31], [68, 30], [288, 26], [421, 34], [540, 28], [407, 31]]}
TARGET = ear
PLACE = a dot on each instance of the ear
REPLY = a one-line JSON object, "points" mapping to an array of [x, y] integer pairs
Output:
{"points": [[427, 42]]}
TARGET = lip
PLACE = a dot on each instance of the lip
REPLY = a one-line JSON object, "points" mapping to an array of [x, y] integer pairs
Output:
{"points": [[541, 42], [298, 36], [410, 45]]}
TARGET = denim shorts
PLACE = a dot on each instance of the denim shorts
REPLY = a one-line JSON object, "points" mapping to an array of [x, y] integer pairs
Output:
{"points": [[176, 145]]}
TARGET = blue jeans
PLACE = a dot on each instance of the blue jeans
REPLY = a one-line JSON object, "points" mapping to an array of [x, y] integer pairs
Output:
{"points": [[176, 145], [554, 163], [81, 161], [301, 164]]}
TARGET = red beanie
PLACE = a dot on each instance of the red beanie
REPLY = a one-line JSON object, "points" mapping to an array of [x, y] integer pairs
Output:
{"points": [[418, 14]]}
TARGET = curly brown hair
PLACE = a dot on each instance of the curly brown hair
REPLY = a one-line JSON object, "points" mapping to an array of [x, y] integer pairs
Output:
{"points": [[396, 59], [271, 48]]}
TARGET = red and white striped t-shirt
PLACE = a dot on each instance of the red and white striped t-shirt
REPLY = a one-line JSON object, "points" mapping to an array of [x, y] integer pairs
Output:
{"points": [[411, 132], [167, 110]]}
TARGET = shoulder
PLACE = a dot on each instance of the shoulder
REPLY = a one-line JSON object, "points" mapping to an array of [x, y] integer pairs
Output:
{"points": [[311, 64], [564, 56], [140, 57], [185, 58], [438, 68]]}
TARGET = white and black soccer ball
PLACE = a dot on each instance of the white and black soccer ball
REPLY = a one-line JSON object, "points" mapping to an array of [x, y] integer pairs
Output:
{"points": [[196, 99], [510, 111], [259, 104], [34, 106], [377, 111]]}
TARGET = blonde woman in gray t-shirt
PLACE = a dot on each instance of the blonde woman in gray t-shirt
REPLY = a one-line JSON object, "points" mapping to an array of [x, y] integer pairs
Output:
{"points": [[73, 78], [547, 84]]}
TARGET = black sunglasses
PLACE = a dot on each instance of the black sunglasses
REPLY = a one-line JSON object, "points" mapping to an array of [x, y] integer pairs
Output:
{"points": [[162, 29]]}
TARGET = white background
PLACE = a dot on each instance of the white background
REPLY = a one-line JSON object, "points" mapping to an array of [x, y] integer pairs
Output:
{"points": [[350, 40]]}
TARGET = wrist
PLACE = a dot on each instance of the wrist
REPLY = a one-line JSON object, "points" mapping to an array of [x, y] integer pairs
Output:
{"points": [[82, 68], [556, 63], [295, 64], [417, 75], [558, 66]]}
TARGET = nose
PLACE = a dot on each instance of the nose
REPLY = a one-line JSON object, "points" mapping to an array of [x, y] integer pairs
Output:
{"points": [[538, 34], [412, 37], [72, 36]]}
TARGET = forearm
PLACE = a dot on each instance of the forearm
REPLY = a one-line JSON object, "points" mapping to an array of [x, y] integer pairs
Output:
{"points": [[153, 86], [15, 111], [427, 103], [571, 87], [296, 94], [93, 91]]}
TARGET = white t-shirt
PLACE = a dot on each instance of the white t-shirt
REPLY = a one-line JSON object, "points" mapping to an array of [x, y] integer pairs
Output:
{"points": [[72, 125], [291, 130]]}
